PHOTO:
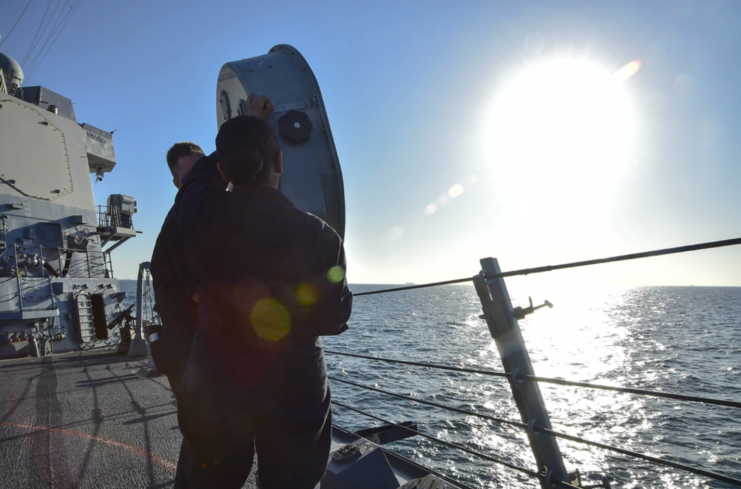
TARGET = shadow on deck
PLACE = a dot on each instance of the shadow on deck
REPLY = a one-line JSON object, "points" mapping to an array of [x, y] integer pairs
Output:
{"points": [[86, 420]]}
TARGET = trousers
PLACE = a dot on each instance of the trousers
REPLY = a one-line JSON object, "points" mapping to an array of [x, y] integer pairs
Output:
{"points": [[290, 455]]}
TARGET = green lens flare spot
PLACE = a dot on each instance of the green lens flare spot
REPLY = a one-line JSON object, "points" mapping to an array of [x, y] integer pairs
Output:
{"points": [[335, 275]]}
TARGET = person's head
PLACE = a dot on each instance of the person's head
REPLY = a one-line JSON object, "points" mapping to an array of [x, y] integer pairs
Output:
{"points": [[181, 158], [248, 152]]}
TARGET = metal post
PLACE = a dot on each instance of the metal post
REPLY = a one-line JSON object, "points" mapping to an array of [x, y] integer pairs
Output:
{"points": [[138, 346], [87, 259], [51, 291], [506, 332], [18, 279], [109, 266]]}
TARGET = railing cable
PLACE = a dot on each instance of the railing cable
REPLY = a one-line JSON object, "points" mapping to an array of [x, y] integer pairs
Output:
{"points": [[649, 458], [531, 473], [430, 403], [550, 268], [632, 256], [666, 395], [558, 434], [421, 286], [549, 380], [420, 364]]}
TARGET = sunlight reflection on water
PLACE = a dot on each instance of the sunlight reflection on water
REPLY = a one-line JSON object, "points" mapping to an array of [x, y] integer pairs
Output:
{"points": [[651, 338]]}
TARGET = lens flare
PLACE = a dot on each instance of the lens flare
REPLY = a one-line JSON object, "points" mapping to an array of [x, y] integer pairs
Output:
{"points": [[335, 275], [627, 71], [430, 209], [307, 294], [270, 319], [455, 190]]}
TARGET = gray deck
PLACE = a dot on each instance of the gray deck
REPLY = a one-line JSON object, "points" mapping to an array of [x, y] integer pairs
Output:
{"points": [[86, 420]]}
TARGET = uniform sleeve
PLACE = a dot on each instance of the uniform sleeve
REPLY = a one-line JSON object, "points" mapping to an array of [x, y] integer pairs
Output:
{"points": [[331, 313]]}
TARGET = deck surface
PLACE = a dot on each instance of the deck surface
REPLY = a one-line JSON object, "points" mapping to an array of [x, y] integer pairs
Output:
{"points": [[86, 420]]}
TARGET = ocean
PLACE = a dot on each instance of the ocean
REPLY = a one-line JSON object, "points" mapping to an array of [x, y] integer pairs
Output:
{"points": [[675, 339]]}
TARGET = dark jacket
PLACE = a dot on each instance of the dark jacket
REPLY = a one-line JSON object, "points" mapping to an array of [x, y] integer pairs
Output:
{"points": [[271, 280], [172, 290]]}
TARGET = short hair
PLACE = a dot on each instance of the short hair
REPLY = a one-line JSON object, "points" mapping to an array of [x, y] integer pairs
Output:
{"points": [[179, 150], [246, 147]]}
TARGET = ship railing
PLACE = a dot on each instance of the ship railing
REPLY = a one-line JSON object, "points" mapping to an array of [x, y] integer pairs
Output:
{"points": [[501, 317], [97, 262], [27, 284], [109, 216], [3, 85]]}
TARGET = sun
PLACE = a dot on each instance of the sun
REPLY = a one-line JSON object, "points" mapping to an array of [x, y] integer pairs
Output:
{"points": [[562, 132]]}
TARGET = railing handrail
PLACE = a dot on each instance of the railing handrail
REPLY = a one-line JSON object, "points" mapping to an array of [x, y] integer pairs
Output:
{"points": [[576, 264], [550, 380]]}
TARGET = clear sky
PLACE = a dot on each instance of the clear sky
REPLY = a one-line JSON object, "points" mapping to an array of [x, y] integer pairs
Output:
{"points": [[464, 129]]}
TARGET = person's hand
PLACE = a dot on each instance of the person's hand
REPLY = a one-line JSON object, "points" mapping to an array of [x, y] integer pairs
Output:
{"points": [[260, 106]]}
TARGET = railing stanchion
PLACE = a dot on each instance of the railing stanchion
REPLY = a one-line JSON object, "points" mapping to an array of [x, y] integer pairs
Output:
{"points": [[138, 347], [503, 326]]}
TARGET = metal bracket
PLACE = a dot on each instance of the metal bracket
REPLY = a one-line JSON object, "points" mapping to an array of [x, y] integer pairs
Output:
{"points": [[515, 376], [521, 312], [549, 479]]}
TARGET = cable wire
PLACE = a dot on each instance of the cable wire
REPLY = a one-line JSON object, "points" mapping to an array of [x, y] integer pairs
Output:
{"points": [[531, 473], [16, 22], [667, 395], [558, 434], [38, 30], [549, 380], [631, 256], [550, 268], [421, 286], [434, 404], [59, 32], [55, 20], [419, 364], [649, 458]]}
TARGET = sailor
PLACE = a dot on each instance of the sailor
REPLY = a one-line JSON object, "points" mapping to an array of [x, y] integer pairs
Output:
{"points": [[173, 288], [174, 291], [271, 281]]}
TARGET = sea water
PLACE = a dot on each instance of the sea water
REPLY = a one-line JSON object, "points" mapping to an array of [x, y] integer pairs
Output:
{"points": [[674, 339]]}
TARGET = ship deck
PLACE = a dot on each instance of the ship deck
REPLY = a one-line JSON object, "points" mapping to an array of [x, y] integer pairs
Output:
{"points": [[86, 420]]}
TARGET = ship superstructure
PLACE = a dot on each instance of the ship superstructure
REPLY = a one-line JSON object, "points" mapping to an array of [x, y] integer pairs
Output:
{"points": [[57, 290]]}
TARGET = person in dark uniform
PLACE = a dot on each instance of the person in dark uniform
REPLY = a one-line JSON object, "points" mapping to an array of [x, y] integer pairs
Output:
{"points": [[270, 281], [174, 291], [173, 288]]}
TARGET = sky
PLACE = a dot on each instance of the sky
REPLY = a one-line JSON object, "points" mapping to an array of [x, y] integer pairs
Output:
{"points": [[536, 132]]}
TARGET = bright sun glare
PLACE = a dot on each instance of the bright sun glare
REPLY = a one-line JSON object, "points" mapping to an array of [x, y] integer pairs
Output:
{"points": [[562, 132]]}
